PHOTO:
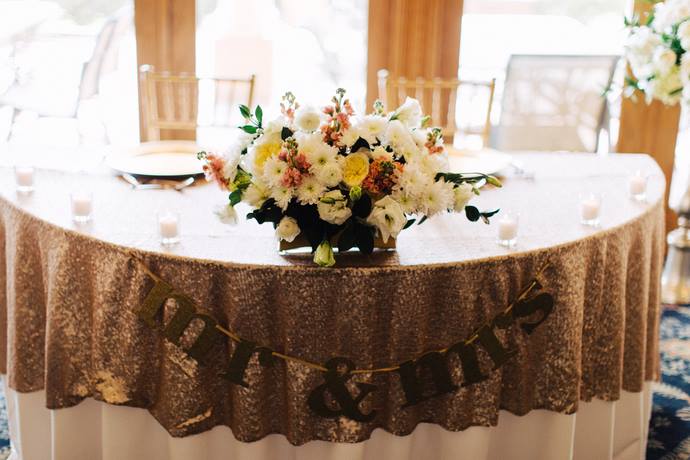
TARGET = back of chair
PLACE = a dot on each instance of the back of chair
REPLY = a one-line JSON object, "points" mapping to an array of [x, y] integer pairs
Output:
{"points": [[554, 102], [439, 98], [181, 101]]}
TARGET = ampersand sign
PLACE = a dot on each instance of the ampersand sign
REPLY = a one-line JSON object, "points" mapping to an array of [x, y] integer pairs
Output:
{"points": [[348, 405]]}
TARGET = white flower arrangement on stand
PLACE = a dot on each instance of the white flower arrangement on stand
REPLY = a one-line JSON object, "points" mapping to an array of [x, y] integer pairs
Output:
{"points": [[329, 179], [656, 50]]}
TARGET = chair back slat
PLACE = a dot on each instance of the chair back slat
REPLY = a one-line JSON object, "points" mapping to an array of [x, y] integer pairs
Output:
{"points": [[439, 97], [171, 101]]}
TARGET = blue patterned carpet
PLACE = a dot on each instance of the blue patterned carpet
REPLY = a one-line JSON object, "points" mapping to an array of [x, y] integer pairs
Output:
{"points": [[669, 428]]}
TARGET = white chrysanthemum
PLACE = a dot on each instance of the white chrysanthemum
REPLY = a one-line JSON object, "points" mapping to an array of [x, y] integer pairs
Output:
{"points": [[407, 201], [307, 118], [320, 155], [309, 142], [430, 165], [388, 217], [436, 197], [310, 190], [412, 182], [410, 113], [350, 136], [282, 196], [462, 194], [371, 128], [333, 208], [256, 193], [399, 138], [329, 174], [273, 171], [287, 229], [275, 127]]}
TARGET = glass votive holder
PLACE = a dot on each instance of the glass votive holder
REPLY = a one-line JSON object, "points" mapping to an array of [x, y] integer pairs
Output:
{"points": [[24, 177], [637, 186], [169, 227], [508, 229], [590, 209], [82, 206]]}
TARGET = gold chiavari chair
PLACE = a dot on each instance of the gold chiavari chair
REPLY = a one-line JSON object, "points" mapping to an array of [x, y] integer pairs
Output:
{"points": [[433, 94], [172, 101]]}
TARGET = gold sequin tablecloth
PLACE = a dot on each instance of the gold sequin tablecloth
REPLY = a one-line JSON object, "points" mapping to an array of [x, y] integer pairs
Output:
{"points": [[70, 296]]}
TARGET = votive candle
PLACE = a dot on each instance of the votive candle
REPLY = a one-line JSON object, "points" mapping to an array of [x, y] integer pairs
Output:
{"points": [[168, 226], [507, 230], [24, 176], [637, 185], [82, 206], [590, 207]]}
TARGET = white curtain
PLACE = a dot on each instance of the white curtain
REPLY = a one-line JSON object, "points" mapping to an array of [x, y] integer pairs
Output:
{"points": [[94, 430]]}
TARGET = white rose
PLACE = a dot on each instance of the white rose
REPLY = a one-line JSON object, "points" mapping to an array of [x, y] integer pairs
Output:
{"points": [[462, 195], [410, 113], [307, 118], [664, 59], [287, 229], [388, 217], [333, 208], [226, 214]]}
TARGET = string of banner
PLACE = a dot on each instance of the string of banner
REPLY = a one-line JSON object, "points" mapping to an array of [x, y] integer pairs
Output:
{"points": [[320, 367]]}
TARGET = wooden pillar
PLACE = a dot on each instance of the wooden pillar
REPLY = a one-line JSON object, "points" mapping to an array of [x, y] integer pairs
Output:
{"points": [[413, 38], [651, 129], [165, 33]]}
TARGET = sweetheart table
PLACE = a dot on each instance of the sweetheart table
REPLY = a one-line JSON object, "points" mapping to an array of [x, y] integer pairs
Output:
{"points": [[473, 369]]}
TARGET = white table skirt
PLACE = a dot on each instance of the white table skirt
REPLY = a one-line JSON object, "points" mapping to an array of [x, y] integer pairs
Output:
{"points": [[94, 430]]}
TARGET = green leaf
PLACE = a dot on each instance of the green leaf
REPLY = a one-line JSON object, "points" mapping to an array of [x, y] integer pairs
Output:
{"points": [[285, 133], [360, 143], [259, 114], [364, 237], [472, 213], [422, 220], [409, 223], [244, 110], [235, 197], [362, 207], [249, 129], [347, 240]]}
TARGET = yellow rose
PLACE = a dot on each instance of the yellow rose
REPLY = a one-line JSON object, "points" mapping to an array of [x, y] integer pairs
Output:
{"points": [[263, 152], [356, 169]]}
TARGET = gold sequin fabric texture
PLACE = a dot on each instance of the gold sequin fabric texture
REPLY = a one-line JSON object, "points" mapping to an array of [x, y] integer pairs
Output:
{"points": [[68, 313]]}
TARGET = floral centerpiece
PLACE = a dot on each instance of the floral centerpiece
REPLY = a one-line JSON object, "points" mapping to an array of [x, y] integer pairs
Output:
{"points": [[329, 179], [656, 49]]}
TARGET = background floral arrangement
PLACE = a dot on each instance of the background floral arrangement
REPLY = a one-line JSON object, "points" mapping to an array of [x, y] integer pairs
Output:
{"points": [[657, 53], [336, 179]]}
